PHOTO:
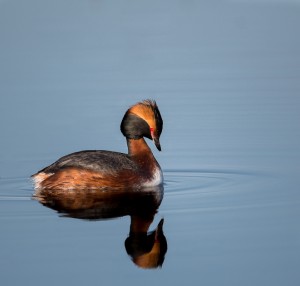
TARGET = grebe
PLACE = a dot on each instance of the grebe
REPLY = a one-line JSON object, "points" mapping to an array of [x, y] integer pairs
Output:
{"points": [[97, 169]]}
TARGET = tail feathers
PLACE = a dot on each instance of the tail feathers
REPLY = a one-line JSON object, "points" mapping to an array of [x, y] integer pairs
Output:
{"points": [[38, 179]]}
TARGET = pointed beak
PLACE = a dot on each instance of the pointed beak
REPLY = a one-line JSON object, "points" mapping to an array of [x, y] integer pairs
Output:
{"points": [[157, 144], [155, 139]]}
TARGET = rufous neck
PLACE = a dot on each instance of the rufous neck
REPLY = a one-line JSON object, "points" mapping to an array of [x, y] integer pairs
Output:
{"points": [[140, 224], [137, 147]]}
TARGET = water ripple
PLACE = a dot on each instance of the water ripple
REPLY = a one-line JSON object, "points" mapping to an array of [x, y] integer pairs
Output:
{"points": [[202, 180], [15, 189], [197, 189]]}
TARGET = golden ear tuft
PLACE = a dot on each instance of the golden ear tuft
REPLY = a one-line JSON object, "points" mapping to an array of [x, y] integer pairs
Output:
{"points": [[148, 111], [145, 110]]}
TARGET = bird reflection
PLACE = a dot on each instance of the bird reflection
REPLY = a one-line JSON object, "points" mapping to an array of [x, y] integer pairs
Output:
{"points": [[146, 249]]}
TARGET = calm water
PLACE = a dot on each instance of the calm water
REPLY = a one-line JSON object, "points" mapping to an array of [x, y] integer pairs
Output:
{"points": [[226, 76]]}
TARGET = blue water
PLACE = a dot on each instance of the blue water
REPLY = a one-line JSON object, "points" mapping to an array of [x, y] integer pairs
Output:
{"points": [[226, 77]]}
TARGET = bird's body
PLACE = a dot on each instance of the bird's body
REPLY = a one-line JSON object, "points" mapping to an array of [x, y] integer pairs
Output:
{"points": [[96, 168]]}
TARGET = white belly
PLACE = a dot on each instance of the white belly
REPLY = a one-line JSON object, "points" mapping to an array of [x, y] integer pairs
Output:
{"points": [[156, 179]]}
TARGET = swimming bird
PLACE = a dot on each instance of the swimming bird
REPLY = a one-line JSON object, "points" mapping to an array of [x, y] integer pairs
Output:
{"points": [[93, 169]]}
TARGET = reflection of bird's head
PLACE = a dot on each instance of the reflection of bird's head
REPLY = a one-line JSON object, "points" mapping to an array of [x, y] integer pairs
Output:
{"points": [[147, 250]]}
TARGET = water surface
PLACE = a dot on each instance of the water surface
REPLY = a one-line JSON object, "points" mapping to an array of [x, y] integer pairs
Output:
{"points": [[226, 77]]}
